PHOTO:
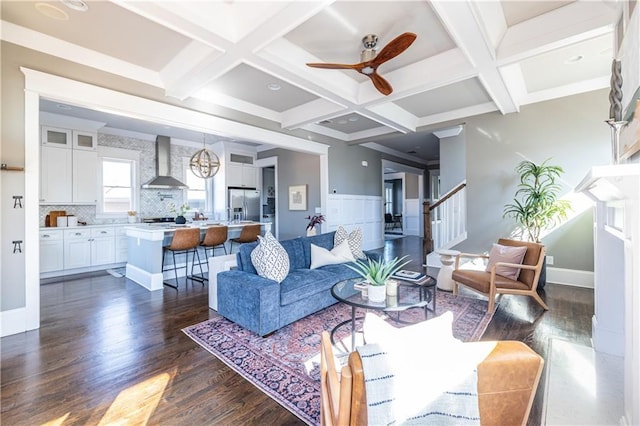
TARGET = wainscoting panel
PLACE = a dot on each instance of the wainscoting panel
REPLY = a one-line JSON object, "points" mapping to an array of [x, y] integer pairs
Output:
{"points": [[357, 211], [412, 217]]}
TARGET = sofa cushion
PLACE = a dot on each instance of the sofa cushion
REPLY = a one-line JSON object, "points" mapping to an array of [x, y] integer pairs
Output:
{"points": [[341, 271], [270, 259], [304, 283], [354, 238], [293, 248], [339, 254], [321, 240]]}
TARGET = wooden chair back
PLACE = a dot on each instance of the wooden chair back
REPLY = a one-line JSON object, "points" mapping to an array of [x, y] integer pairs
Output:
{"points": [[342, 397], [531, 258], [215, 236], [248, 234], [185, 239]]}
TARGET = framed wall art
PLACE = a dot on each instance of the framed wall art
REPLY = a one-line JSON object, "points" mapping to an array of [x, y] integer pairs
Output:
{"points": [[298, 197]]}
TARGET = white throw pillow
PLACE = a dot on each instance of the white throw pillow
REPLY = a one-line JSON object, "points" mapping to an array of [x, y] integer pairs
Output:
{"points": [[270, 259], [320, 256], [434, 333], [508, 254], [354, 239]]}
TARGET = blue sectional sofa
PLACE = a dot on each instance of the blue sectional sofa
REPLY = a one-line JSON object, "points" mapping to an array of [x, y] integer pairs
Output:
{"points": [[262, 305]]}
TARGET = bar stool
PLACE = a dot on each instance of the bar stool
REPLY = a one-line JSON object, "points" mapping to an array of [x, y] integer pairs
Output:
{"points": [[248, 234], [214, 238], [184, 241]]}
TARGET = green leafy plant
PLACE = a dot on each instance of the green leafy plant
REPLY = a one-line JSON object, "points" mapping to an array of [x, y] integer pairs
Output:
{"points": [[377, 272], [179, 211], [536, 206]]}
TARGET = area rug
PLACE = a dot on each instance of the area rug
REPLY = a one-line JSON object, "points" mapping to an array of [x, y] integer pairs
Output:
{"points": [[285, 365]]}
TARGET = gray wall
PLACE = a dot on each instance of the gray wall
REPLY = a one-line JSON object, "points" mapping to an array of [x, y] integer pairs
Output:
{"points": [[571, 131], [411, 185], [295, 168], [348, 176], [453, 154]]}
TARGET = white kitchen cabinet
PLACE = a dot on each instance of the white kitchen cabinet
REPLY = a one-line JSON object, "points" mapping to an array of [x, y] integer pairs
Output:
{"points": [[68, 176], [242, 175], [51, 251], [85, 176], [56, 175], [77, 248], [103, 246], [54, 136], [83, 140]]}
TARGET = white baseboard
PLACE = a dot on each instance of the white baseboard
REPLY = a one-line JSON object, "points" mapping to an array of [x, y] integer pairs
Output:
{"points": [[572, 277], [13, 321]]}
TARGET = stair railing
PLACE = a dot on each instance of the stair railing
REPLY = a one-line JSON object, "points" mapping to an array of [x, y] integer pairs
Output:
{"points": [[445, 222]]}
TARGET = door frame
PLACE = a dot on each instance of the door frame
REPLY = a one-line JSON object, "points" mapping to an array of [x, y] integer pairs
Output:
{"points": [[261, 164]]}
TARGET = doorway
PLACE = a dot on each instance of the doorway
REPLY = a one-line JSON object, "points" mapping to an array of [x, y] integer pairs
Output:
{"points": [[269, 192]]}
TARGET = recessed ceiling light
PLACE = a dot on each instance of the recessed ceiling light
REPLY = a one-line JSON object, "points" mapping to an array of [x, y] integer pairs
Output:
{"points": [[273, 86], [574, 59], [76, 5], [354, 118], [51, 11], [65, 107]]}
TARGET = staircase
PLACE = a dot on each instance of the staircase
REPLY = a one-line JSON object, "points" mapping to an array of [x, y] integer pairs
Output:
{"points": [[445, 223]]}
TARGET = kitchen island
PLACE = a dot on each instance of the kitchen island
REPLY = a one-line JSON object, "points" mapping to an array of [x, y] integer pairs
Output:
{"points": [[145, 242]]}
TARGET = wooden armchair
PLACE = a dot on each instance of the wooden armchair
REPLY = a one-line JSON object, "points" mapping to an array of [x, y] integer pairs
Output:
{"points": [[508, 379], [489, 283]]}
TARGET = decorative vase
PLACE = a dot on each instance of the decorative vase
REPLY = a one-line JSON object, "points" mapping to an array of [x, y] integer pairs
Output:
{"points": [[181, 220], [311, 232], [132, 219], [392, 288], [377, 293]]}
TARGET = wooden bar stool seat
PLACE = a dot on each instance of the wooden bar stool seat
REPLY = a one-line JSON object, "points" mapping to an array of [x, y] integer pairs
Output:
{"points": [[184, 241]]}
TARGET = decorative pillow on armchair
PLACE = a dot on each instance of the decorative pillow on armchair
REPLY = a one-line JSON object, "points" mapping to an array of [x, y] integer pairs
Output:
{"points": [[508, 254], [354, 239], [270, 259]]}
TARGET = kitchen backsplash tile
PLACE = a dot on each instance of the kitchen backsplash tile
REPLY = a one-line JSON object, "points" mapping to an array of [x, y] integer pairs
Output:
{"points": [[153, 202]]}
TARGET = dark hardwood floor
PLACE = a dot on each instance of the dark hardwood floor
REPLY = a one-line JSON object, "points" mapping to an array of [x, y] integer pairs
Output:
{"points": [[108, 349]]}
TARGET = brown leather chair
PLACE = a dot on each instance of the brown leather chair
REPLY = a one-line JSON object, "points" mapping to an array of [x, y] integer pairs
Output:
{"points": [[215, 237], [507, 383], [490, 283], [248, 234], [183, 241]]}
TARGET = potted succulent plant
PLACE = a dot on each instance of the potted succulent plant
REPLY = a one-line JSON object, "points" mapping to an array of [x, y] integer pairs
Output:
{"points": [[376, 273], [536, 206]]}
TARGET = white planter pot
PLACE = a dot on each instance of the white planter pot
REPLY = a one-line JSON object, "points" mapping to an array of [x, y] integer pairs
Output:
{"points": [[311, 232], [377, 293]]}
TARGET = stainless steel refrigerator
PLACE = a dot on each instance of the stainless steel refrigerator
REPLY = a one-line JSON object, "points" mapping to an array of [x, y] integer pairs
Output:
{"points": [[244, 204]]}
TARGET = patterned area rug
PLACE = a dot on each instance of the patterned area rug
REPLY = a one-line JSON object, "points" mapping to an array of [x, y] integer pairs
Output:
{"points": [[285, 365]]}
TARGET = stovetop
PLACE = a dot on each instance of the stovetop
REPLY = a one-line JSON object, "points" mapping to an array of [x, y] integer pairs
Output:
{"points": [[158, 220]]}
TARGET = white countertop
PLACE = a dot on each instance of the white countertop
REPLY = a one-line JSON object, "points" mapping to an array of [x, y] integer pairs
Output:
{"points": [[169, 226], [156, 231]]}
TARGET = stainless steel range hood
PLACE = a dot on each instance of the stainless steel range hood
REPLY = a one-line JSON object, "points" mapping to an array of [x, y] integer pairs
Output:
{"points": [[163, 167]]}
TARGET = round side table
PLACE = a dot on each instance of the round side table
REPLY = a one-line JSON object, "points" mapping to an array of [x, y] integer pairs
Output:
{"points": [[447, 258]]}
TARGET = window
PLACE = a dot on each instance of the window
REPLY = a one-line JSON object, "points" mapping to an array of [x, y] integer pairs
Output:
{"points": [[196, 195], [117, 182]]}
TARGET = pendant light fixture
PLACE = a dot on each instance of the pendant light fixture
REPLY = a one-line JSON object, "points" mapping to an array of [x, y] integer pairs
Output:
{"points": [[204, 163]]}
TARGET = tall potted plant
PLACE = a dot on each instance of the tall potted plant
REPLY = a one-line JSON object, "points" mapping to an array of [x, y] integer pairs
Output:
{"points": [[536, 206]]}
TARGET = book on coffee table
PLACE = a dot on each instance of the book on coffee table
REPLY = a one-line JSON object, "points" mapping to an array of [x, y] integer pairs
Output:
{"points": [[409, 276]]}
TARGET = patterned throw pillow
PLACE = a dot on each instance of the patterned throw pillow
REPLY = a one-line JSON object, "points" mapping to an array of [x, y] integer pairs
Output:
{"points": [[270, 259], [354, 239]]}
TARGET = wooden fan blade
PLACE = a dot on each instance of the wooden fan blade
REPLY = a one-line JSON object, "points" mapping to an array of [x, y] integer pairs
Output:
{"points": [[394, 48], [334, 66], [381, 84]]}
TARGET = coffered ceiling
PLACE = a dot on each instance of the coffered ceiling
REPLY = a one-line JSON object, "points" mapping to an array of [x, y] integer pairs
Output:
{"points": [[469, 58]]}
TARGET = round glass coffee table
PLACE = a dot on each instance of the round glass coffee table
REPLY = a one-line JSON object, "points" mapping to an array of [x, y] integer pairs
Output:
{"points": [[350, 293]]}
